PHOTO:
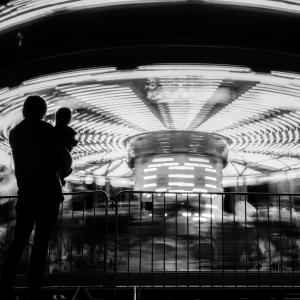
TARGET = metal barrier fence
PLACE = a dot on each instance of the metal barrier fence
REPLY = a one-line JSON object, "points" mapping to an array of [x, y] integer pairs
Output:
{"points": [[150, 240], [209, 240], [77, 256]]}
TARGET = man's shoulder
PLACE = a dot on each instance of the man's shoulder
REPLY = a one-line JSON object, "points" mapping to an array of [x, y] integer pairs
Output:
{"points": [[35, 128]]}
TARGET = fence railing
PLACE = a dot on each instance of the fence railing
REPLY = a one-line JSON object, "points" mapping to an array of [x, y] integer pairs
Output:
{"points": [[175, 240]]}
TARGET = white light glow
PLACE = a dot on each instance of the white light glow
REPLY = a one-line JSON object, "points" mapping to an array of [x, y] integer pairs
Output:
{"points": [[200, 190], [163, 159], [149, 185], [197, 165], [210, 178], [210, 185], [185, 214], [208, 195], [211, 170], [181, 183], [178, 191], [150, 177], [180, 176], [150, 170], [211, 206], [199, 160], [181, 168]]}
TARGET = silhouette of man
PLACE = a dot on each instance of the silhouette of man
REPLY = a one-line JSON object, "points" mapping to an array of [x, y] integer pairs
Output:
{"points": [[35, 149]]}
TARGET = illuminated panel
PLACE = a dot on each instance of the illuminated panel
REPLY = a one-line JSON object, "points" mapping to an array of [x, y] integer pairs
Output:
{"points": [[168, 178], [262, 98], [180, 99], [119, 101]]}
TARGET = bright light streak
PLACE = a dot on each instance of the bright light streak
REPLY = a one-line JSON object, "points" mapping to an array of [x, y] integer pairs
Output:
{"points": [[163, 159], [178, 191], [199, 160], [180, 176], [197, 165], [149, 185], [155, 165], [211, 170], [150, 177], [208, 195], [210, 178], [210, 185], [185, 214], [200, 190], [181, 183], [181, 168], [170, 164], [150, 170], [211, 206]]}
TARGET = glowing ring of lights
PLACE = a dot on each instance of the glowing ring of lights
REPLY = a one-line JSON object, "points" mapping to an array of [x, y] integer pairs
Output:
{"points": [[261, 124]]}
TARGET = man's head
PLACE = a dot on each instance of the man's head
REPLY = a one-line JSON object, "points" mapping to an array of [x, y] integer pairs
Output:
{"points": [[34, 108], [63, 116]]}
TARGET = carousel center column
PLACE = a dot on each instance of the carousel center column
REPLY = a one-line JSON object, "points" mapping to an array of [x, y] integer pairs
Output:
{"points": [[186, 162]]}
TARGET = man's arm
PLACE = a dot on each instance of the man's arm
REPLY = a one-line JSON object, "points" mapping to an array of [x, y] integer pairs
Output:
{"points": [[64, 154]]}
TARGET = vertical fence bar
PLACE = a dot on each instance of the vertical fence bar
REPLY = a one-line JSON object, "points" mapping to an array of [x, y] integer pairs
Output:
{"points": [[292, 238], [105, 242], [61, 243], [72, 232], [223, 251], [94, 238], [140, 265], [164, 240], [82, 238], [279, 210], [257, 241], [128, 244], [211, 242], [116, 245], [246, 239], [176, 244], [188, 244], [152, 248], [234, 250], [269, 232], [199, 240]]}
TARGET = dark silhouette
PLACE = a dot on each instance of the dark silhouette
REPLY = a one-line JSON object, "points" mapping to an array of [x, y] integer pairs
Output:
{"points": [[35, 148], [66, 134]]}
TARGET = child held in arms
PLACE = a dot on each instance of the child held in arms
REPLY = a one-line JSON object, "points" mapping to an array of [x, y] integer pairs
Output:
{"points": [[66, 134]]}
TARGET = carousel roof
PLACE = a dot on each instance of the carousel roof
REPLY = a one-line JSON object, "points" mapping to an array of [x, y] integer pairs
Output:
{"points": [[259, 113]]}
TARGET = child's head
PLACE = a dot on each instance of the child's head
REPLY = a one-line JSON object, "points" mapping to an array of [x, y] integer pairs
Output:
{"points": [[63, 116]]}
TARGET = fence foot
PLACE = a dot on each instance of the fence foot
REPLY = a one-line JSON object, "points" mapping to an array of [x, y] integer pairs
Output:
{"points": [[76, 293], [87, 293]]}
